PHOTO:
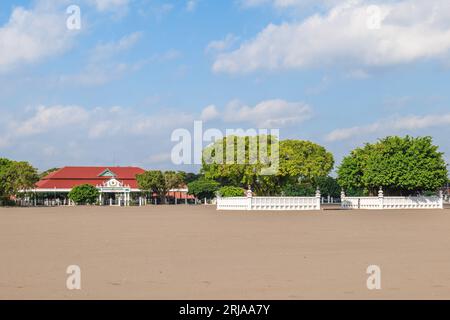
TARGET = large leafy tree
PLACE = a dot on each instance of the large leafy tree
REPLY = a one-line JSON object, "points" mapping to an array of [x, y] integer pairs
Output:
{"points": [[234, 160], [189, 177], [304, 160], [230, 191], [328, 186], [4, 165], [84, 194], [155, 181], [151, 182], [297, 160], [402, 166], [16, 177], [203, 188]]}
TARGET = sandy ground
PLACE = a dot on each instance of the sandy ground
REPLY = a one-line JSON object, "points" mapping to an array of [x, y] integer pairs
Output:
{"points": [[182, 252]]}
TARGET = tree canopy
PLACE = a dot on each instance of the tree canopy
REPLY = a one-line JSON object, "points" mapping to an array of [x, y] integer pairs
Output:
{"points": [[295, 160], [16, 176], [159, 182], [230, 191], [84, 194], [403, 166], [203, 188]]}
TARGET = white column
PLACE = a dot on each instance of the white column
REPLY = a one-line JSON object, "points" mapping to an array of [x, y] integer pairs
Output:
{"points": [[343, 199], [380, 198], [249, 199], [318, 198]]}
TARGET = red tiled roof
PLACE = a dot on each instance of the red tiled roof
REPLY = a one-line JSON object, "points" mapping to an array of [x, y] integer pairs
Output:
{"points": [[69, 177]]}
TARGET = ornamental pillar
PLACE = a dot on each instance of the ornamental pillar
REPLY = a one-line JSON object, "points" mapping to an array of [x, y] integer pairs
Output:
{"points": [[381, 198]]}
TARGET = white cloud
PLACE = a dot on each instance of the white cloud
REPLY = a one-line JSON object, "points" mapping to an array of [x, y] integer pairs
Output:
{"points": [[409, 31], [268, 114], [286, 4], [222, 45], [32, 35], [209, 113], [102, 66], [393, 124], [109, 5], [275, 3], [91, 123], [106, 50], [49, 118]]}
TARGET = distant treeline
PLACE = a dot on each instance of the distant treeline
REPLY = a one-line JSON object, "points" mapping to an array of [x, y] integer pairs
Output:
{"points": [[400, 165]]}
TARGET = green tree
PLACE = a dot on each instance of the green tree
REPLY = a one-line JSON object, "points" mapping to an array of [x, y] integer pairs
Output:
{"points": [[16, 177], [173, 180], [84, 194], [234, 160], [152, 182], [305, 189], [329, 186], [230, 191], [189, 177], [402, 166], [203, 188], [155, 181], [304, 160], [4, 165], [298, 159]]}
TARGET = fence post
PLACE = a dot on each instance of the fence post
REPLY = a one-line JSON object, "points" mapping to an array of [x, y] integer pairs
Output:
{"points": [[318, 198], [380, 197], [441, 199], [249, 198], [342, 198]]}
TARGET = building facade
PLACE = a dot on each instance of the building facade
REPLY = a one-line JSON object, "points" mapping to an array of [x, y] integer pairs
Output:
{"points": [[117, 186]]}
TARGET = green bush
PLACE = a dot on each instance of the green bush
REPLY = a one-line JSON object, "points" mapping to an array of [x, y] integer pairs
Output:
{"points": [[299, 190], [227, 192], [84, 194], [203, 188]]}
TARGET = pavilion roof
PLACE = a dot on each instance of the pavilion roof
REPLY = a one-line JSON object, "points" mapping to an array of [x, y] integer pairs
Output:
{"points": [[69, 177]]}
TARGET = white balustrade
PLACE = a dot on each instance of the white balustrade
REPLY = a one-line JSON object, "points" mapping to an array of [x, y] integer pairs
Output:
{"points": [[269, 203], [382, 202]]}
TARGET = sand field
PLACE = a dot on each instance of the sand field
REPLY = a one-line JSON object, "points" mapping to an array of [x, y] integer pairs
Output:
{"points": [[195, 252]]}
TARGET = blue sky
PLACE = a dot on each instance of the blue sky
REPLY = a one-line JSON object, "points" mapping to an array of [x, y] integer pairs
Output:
{"points": [[339, 73]]}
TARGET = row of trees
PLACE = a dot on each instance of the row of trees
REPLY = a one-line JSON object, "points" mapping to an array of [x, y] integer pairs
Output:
{"points": [[401, 165]]}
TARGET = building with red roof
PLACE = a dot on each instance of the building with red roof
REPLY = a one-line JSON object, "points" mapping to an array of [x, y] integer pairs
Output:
{"points": [[117, 185]]}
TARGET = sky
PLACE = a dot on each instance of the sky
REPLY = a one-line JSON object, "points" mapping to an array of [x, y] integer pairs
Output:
{"points": [[112, 89]]}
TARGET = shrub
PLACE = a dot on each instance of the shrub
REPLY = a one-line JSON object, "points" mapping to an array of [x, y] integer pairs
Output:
{"points": [[84, 194], [203, 188], [229, 191]]}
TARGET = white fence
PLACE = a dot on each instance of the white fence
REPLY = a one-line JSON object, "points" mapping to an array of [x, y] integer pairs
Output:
{"points": [[269, 203], [381, 202]]}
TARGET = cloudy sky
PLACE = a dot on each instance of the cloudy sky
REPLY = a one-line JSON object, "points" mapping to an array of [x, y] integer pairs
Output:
{"points": [[339, 73]]}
